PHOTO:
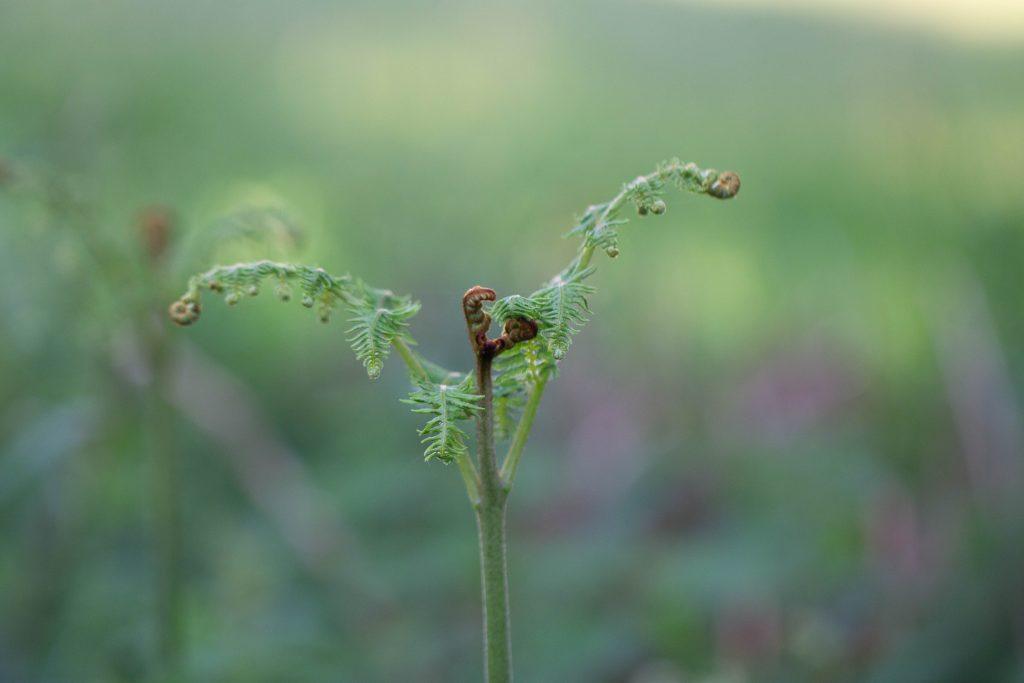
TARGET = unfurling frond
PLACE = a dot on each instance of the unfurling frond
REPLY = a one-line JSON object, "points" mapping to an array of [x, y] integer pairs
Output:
{"points": [[379, 317], [515, 328], [560, 308], [447, 404], [477, 320], [598, 224]]}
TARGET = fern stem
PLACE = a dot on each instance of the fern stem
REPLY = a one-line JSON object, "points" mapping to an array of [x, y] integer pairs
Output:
{"points": [[489, 476], [411, 361], [494, 577], [587, 249], [490, 515], [515, 450], [469, 477]]}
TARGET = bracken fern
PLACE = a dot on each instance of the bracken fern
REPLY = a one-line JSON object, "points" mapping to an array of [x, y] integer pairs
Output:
{"points": [[503, 392]]}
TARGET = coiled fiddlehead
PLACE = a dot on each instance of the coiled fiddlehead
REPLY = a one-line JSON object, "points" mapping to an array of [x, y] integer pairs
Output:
{"points": [[516, 328]]}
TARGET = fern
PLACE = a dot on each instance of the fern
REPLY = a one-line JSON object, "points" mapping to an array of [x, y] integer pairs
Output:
{"points": [[564, 310], [375, 328], [379, 317], [599, 222], [512, 370], [517, 371], [560, 308], [447, 404]]}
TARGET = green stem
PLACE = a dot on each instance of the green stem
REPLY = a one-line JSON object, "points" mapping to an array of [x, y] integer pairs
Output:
{"points": [[490, 515], [515, 450], [413, 363], [167, 513], [582, 259], [470, 478], [494, 578]]}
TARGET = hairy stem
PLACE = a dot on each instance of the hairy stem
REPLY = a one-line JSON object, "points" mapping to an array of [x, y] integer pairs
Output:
{"points": [[494, 577], [489, 476], [490, 515], [515, 450]]}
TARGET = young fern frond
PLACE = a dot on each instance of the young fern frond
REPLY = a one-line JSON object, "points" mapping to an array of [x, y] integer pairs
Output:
{"points": [[379, 317], [447, 404], [512, 369], [375, 328], [560, 307], [598, 224], [564, 310]]}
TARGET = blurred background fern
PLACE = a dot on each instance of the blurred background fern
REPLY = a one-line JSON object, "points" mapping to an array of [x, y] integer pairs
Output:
{"points": [[809, 471]]}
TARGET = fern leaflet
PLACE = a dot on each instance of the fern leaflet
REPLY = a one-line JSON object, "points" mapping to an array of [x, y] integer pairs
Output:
{"points": [[447, 404]]}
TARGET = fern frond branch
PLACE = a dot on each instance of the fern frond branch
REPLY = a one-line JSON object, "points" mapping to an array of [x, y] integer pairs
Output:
{"points": [[560, 306], [645, 191], [470, 477], [379, 317], [416, 369], [515, 450], [439, 374], [447, 405]]}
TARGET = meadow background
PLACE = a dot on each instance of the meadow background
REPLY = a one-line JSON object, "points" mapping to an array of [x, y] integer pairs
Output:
{"points": [[788, 447]]}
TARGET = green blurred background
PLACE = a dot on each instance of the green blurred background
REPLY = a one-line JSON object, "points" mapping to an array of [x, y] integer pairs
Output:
{"points": [[787, 448]]}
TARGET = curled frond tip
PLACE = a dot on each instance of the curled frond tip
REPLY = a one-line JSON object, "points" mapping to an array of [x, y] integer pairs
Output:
{"points": [[725, 186]]}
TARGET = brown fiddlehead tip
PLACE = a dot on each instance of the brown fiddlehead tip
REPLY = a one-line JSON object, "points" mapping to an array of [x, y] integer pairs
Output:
{"points": [[516, 330], [519, 330], [473, 302], [477, 320], [184, 311], [726, 186]]}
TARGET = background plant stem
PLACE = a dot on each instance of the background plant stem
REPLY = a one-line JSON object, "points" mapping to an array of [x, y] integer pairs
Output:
{"points": [[167, 513]]}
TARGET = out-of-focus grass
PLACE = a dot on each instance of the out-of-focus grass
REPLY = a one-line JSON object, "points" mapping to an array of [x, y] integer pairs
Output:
{"points": [[787, 447]]}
